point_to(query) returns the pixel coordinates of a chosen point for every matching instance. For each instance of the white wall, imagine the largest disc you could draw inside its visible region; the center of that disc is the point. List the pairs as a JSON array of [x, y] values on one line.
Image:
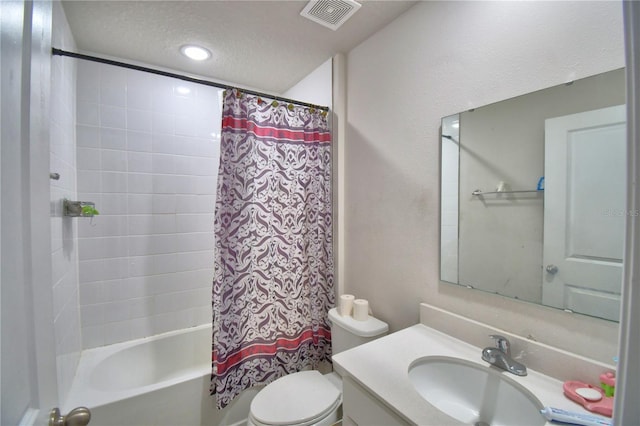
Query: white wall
[[64, 230], [29, 385], [16, 368], [148, 157], [315, 88], [437, 59]]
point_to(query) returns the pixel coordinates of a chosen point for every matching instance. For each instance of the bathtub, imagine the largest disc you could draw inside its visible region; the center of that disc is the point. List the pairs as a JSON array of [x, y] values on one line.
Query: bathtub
[[159, 380]]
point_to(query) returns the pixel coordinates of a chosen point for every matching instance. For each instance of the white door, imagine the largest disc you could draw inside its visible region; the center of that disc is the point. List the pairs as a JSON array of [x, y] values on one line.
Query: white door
[[584, 211]]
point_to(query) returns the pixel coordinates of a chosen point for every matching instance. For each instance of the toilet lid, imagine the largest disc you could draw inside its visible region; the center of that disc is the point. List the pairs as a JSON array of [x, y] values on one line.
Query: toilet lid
[[294, 399]]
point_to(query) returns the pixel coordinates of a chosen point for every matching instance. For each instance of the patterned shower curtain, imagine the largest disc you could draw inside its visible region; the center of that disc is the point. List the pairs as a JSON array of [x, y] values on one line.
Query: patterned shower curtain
[[273, 279]]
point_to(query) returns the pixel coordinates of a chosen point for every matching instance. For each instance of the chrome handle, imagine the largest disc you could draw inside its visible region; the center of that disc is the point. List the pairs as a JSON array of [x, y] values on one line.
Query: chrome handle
[[502, 343], [79, 416], [552, 269]]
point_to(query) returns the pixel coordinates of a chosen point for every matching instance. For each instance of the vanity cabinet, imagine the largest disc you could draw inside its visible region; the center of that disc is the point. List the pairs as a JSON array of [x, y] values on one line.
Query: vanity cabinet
[[363, 409]]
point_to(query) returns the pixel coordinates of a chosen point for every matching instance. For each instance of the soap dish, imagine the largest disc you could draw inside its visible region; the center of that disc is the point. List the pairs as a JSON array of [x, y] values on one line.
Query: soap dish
[[603, 405]]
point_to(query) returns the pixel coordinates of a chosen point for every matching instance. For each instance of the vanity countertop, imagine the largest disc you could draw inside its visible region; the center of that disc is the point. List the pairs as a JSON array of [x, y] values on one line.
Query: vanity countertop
[[382, 366]]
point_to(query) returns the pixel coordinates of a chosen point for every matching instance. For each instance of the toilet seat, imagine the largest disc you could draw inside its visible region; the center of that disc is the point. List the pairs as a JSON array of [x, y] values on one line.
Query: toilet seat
[[303, 398]]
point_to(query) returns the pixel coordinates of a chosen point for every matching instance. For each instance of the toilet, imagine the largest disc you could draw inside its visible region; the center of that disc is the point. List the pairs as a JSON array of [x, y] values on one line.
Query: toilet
[[308, 398]]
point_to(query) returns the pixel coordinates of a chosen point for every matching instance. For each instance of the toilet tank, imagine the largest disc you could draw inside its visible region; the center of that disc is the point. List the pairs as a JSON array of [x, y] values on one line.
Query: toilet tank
[[347, 333]]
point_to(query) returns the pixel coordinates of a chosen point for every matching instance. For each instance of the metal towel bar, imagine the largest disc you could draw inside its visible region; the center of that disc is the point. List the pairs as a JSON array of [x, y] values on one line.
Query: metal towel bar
[[479, 192]]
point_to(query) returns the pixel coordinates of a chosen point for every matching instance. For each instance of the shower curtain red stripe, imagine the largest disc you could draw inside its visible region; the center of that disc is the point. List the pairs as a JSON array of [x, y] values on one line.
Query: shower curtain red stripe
[[270, 348], [279, 134]]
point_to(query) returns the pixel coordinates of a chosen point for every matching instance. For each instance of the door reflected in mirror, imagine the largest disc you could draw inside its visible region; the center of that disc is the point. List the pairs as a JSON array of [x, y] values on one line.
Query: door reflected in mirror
[[533, 196]]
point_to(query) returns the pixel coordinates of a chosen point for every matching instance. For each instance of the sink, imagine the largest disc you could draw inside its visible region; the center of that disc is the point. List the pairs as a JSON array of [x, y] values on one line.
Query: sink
[[474, 394]]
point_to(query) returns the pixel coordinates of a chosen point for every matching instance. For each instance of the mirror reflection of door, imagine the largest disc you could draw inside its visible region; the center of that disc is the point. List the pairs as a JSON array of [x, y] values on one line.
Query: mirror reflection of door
[[585, 210]]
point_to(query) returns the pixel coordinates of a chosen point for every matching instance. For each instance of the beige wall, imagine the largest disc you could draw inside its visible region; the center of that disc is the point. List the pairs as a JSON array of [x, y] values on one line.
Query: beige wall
[[438, 59]]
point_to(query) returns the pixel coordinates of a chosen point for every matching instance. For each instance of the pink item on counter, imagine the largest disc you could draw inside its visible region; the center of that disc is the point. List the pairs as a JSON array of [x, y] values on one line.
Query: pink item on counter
[[604, 406]]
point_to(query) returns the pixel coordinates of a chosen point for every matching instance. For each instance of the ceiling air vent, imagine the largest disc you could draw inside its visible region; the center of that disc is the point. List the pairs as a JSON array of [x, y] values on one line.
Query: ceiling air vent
[[330, 13]]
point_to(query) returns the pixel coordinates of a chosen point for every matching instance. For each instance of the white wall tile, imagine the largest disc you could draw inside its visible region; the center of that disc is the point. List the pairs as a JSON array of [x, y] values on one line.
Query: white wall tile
[[163, 100], [152, 265], [88, 158], [92, 336], [159, 284], [162, 123], [164, 203], [88, 136], [113, 161], [138, 97], [141, 327], [113, 138], [140, 183], [184, 184], [190, 203], [165, 184], [139, 141], [152, 224], [184, 164], [164, 164], [88, 113], [113, 86], [139, 203], [112, 117], [116, 332], [185, 125], [192, 260], [91, 270], [113, 204], [127, 289], [186, 223], [102, 248], [139, 162], [197, 278], [116, 225], [141, 307], [139, 120], [145, 157], [116, 311], [144, 245], [92, 293], [91, 228], [93, 315], [88, 74], [89, 180], [196, 241], [113, 181]]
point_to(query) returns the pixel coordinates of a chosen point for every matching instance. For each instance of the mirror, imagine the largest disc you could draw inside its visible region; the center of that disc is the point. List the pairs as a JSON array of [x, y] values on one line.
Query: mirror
[[533, 196]]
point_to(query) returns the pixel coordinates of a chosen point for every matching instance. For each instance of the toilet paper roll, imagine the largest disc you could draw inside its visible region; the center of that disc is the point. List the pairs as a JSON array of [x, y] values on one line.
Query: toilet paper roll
[[346, 304], [360, 310]]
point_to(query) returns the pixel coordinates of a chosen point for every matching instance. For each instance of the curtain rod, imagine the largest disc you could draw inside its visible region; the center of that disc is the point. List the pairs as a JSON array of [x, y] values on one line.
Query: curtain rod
[[60, 52]]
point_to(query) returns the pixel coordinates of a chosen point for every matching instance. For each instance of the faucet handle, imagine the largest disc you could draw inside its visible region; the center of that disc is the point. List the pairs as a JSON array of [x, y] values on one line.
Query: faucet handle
[[502, 343]]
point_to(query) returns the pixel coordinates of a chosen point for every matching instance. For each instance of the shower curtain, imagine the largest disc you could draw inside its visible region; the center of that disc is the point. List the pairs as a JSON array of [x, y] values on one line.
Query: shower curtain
[[273, 276]]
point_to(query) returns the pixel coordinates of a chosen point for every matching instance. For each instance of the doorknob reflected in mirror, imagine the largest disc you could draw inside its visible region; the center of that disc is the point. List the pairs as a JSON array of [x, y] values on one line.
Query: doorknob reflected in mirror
[[79, 416], [552, 269]]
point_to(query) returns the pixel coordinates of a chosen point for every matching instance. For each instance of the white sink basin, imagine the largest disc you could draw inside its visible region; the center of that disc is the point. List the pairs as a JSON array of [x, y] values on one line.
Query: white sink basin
[[474, 394]]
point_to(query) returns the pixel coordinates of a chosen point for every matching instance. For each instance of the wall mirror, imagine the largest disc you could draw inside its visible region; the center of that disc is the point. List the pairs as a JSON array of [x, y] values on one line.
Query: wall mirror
[[533, 196]]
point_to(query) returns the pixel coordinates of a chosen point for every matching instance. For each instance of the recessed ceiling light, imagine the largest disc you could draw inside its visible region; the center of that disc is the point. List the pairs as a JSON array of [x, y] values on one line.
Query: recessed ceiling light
[[196, 53]]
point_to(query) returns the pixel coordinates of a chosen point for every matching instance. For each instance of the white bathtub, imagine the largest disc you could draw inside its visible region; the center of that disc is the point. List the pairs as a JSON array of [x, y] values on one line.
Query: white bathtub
[[160, 380]]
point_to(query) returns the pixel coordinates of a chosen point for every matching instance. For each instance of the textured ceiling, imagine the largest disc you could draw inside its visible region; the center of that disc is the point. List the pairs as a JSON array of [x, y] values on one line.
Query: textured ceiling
[[265, 45]]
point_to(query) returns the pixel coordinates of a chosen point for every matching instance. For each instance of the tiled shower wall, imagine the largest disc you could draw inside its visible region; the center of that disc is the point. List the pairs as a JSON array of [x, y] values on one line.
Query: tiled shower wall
[[147, 155]]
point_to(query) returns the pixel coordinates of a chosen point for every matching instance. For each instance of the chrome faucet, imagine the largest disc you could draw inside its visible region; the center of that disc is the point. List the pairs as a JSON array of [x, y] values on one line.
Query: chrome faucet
[[500, 356]]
